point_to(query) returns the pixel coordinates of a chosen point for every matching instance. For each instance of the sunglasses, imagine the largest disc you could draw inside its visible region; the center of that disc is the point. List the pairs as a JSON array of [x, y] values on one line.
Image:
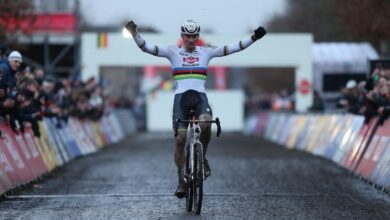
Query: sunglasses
[[191, 35]]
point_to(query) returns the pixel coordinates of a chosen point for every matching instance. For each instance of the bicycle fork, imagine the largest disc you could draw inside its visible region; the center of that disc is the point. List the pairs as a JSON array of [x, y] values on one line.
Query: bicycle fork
[[194, 140], [196, 132]]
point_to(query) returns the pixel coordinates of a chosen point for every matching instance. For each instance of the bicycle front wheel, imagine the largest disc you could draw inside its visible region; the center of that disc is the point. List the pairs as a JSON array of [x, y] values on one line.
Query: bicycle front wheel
[[187, 174], [198, 180]]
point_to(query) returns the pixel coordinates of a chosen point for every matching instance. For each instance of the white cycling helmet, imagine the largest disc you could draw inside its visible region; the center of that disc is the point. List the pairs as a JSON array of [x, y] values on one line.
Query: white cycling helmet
[[190, 27]]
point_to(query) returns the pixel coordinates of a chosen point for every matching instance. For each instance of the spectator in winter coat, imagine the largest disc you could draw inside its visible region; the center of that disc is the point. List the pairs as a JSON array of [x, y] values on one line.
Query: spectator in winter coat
[[11, 67]]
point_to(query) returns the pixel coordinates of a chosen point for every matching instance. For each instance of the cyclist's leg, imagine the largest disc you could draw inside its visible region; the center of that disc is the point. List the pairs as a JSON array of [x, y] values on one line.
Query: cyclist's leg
[[206, 114], [205, 136], [180, 141], [180, 145]]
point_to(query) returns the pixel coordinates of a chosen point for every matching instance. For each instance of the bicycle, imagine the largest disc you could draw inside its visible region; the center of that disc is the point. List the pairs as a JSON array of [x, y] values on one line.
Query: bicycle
[[194, 165]]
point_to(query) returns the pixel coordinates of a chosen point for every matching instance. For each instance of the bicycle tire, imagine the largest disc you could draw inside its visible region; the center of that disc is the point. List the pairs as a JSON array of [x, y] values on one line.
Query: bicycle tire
[[198, 179], [189, 191]]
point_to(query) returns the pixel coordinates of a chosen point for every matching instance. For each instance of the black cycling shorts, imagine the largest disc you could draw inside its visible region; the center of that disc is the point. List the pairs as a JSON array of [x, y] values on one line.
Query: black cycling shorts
[[190, 99]]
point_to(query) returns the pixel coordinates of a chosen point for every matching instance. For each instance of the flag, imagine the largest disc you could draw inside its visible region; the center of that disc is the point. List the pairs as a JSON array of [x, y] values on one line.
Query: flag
[[102, 40]]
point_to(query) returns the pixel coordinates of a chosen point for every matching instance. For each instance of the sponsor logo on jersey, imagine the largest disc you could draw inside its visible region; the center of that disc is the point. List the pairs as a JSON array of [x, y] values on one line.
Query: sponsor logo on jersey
[[184, 53], [190, 59]]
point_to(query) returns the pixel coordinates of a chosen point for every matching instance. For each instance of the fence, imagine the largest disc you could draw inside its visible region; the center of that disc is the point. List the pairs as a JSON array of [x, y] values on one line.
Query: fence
[[24, 157], [362, 148]]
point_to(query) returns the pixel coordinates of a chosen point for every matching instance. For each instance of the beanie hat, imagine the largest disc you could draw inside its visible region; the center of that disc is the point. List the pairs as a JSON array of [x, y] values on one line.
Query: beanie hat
[[351, 84], [15, 55]]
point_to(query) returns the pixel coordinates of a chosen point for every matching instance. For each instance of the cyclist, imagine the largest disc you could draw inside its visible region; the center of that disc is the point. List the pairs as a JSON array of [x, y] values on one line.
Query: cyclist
[[189, 67]]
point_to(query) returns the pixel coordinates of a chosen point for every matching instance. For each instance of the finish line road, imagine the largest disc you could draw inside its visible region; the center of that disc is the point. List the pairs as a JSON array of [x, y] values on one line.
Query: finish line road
[[251, 179]]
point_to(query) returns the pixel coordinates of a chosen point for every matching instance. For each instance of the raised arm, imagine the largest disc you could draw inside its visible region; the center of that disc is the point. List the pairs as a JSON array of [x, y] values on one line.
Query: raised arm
[[239, 46], [143, 45]]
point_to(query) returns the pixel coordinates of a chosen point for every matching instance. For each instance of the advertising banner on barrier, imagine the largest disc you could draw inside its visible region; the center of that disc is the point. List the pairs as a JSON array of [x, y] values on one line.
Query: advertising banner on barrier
[[97, 135], [5, 183], [328, 122], [337, 134], [270, 125], [381, 172], [88, 131], [87, 140], [2, 188], [108, 133], [347, 143], [46, 132], [26, 154], [112, 133], [74, 131], [306, 136], [52, 126], [47, 154], [359, 144], [36, 157], [50, 144], [374, 151], [103, 133], [8, 176], [127, 120], [285, 129], [289, 127], [352, 137], [300, 123], [345, 139], [11, 151], [282, 118], [316, 131], [82, 140], [114, 122], [68, 141], [72, 141], [262, 122], [366, 165], [24, 157], [92, 132]]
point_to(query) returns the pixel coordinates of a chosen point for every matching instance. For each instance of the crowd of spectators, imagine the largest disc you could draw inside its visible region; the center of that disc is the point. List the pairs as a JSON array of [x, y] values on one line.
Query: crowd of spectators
[[27, 95], [282, 101], [369, 98]]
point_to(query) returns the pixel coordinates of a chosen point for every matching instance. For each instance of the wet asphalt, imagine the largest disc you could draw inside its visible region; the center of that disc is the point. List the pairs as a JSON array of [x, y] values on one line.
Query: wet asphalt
[[251, 179]]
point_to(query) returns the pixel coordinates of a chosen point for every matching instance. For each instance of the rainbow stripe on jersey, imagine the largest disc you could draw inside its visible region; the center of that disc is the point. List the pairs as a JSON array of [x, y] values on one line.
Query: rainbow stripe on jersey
[[189, 73]]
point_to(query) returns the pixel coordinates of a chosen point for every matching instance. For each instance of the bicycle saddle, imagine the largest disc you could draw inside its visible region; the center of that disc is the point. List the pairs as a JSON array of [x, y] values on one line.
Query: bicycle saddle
[[191, 102]]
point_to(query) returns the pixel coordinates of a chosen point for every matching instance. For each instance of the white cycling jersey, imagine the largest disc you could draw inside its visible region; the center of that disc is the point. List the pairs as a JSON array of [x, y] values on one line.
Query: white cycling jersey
[[190, 68]]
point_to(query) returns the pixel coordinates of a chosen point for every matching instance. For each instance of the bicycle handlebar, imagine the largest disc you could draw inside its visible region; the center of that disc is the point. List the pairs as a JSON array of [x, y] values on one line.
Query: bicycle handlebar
[[216, 121]]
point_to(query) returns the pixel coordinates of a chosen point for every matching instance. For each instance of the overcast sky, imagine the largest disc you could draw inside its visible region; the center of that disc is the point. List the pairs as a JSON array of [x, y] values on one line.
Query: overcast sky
[[221, 16]]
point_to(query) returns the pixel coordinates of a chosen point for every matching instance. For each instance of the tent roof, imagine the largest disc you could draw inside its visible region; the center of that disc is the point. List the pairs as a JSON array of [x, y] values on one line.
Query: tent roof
[[352, 56]]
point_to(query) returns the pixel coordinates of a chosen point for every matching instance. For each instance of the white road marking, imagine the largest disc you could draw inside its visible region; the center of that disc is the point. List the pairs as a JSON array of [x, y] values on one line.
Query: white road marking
[[169, 195]]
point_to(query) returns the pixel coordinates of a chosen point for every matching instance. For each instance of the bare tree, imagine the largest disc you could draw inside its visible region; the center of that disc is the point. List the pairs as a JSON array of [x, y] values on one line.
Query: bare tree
[[335, 20], [16, 16], [309, 16], [364, 19]]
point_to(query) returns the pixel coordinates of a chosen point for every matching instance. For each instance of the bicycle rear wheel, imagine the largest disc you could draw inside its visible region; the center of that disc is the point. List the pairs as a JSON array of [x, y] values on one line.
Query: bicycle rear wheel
[[198, 179], [187, 176]]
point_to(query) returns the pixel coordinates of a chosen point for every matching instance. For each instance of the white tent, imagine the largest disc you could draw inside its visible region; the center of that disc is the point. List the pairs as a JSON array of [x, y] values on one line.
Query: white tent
[[336, 58]]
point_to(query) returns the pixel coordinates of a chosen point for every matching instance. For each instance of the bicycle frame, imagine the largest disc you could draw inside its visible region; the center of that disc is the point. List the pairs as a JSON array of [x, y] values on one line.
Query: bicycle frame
[[194, 135], [195, 162]]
